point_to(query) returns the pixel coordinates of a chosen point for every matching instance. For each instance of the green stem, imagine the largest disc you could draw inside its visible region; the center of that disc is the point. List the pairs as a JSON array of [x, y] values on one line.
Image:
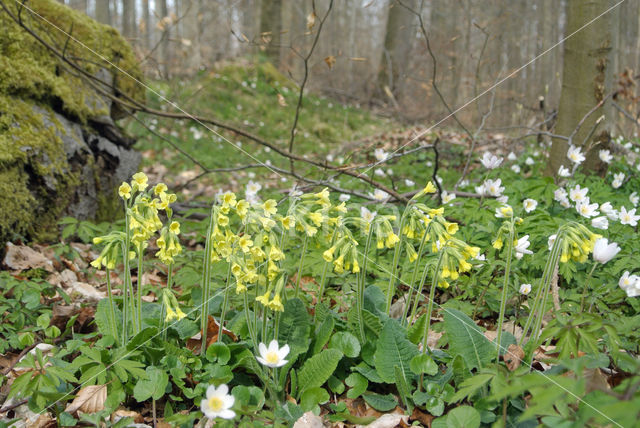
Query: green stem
[[250, 325], [586, 286], [140, 285], [225, 302], [206, 282], [432, 294], [413, 280], [299, 276], [396, 257], [127, 286], [423, 279], [361, 283], [112, 317], [505, 288]]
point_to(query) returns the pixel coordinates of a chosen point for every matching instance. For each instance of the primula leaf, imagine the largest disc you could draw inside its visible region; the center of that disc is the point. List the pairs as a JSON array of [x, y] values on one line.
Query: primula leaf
[[312, 397], [358, 384], [323, 334], [345, 342], [394, 349], [317, 369], [466, 339], [382, 403], [463, 417], [153, 386], [294, 327]]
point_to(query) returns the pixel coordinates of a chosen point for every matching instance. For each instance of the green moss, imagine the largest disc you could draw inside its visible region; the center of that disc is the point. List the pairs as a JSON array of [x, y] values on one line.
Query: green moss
[[29, 70], [36, 179]]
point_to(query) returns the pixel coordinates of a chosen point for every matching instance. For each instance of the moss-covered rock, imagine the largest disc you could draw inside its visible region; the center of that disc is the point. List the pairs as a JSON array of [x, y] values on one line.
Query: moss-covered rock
[[55, 155]]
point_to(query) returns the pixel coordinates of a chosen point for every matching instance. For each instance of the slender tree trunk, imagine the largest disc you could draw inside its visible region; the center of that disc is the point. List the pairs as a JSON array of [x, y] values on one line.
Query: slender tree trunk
[[271, 27], [165, 54], [146, 16], [129, 19], [192, 18], [103, 13], [80, 5], [584, 81], [397, 45]]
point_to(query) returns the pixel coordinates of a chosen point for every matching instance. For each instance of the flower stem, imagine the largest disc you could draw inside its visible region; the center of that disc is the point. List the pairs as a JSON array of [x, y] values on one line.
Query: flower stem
[[206, 282], [586, 286], [505, 288], [361, 283], [432, 293], [225, 302], [413, 281], [396, 257], [300, 265], [139, 286], [112, 315]]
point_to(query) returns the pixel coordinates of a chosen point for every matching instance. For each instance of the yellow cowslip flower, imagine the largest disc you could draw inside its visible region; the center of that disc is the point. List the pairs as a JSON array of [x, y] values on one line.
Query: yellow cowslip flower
[[159, 188], [97, 263], [179, 313], [323, 197], [223, 220], [465, 266], [317, 218], [242, 208], [257, 254], [124, 191], [288, 222], [276, 254], [338, 264], [392, 240], [429, 188], [264, 299], [356, 266], [229, 199], [170, 314], [412, 253], [240, 287], [452, 228], [380, 244], [174, 227], [310, 230], [445, 273], [267, 223], [276, 304], [454, 274], [497, 244], [328, 254], [436, 211], [342, 207], [269, 207], [236, 269], [139, 181], [443, 284], [245, 243]]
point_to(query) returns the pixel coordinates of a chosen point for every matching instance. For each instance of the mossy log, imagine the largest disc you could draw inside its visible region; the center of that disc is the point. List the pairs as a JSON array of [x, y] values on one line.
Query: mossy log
[[61, 152]]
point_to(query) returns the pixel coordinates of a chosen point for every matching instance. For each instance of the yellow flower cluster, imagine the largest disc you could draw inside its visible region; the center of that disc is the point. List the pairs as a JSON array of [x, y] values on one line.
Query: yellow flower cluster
[[345, 247], [172, 307], [109, 255], [455, 260], [577, 243]]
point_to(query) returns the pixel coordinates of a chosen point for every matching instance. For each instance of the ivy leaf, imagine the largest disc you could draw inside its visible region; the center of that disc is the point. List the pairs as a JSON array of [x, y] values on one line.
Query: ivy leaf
[[467, 339], [152, 387], [317, 369], [394, 349]]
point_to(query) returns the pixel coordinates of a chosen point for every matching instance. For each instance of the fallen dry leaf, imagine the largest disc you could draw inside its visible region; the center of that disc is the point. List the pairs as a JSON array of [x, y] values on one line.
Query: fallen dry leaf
[[422, 417], [21, 257], [330, 60], [87, 291], [309, 420], [389, 420], [90, 399], [513, 357], [311, 20], [122, 413], [282, 101]]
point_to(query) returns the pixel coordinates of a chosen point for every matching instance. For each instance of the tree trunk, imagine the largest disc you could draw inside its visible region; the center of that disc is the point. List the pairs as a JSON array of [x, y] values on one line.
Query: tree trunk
[[80, 5], [397, 46], [146, 16], [164, 43], [103, 14], [129, 19], [192, 19], [271, 27], [584, 81]]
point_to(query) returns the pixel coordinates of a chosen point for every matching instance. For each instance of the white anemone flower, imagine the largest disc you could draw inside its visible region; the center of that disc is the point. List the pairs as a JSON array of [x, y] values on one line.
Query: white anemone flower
[[634, 198], [344, 197], [447, 197], [409, 183], [525, 289], [379, 195], [218, 403], [560, 194], [490, 161], [563, 171], [273, 356], [529, 204], [379, 172], [629, 217], [512, 156], [521, 247], [630, 284], [367, 215], [618, 179], [380, 155], [586, 209], [601, 222], [493, 188], [603, 251], [529, 161], [516, 168], [605, 156], [253, 187], [610, 212], [551, 241], [575, 155], [578, 194]]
